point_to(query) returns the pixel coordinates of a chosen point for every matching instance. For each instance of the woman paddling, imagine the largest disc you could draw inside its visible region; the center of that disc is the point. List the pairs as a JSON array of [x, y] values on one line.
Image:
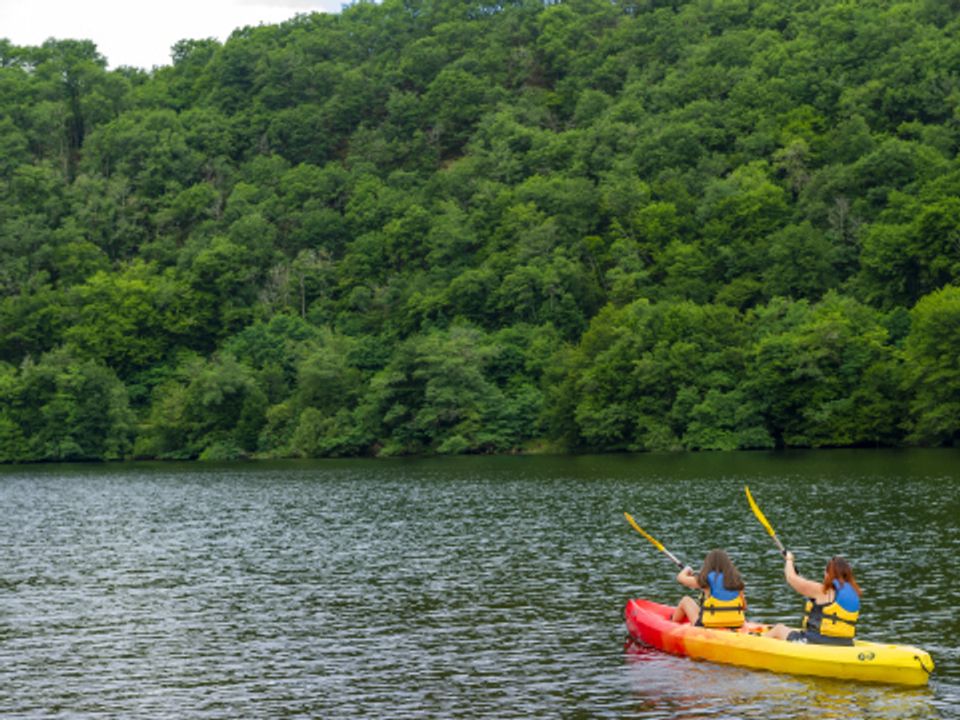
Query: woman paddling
[[724, 602], [833, 607]]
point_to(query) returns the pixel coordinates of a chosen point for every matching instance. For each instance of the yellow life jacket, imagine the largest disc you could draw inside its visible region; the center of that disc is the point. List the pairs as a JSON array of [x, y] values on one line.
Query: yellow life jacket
[[716, 613], [838, 618], [722, 613]]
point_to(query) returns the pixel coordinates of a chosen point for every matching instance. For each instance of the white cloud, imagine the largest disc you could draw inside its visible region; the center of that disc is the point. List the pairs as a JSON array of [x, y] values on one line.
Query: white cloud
[[298, 5], [139, 33]]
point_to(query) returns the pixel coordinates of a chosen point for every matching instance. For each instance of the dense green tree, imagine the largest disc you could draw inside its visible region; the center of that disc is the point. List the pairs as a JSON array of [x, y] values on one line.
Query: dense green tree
[[129, 319], [212, 409], [63, 407], [148, 148], [932, 373], [641, 370], [445, 226], [435, 395], [825, 375], [802, 263], [32, 320], [915, 253]]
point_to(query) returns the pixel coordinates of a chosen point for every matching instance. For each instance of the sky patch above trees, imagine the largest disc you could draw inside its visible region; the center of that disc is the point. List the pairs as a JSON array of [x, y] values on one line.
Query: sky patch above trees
[[141, 34]]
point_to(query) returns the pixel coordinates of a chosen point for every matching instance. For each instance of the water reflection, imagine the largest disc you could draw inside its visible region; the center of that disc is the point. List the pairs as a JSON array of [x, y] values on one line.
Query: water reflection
[[679, 688]]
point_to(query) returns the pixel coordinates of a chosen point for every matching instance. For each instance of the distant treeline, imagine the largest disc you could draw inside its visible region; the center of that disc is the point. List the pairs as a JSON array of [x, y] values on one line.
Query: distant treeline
[[438, 226]]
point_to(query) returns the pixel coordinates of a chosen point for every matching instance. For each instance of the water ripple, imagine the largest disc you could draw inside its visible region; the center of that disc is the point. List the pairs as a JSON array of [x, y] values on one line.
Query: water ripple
[[462, 588]]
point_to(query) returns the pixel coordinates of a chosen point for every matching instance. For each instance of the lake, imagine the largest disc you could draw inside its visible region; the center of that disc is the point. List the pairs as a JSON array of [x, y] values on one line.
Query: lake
[[467, 587]]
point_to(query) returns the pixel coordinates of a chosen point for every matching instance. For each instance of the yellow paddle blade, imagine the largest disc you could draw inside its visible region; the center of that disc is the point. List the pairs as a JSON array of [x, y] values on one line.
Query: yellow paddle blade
[[656, 543], [758, 512]]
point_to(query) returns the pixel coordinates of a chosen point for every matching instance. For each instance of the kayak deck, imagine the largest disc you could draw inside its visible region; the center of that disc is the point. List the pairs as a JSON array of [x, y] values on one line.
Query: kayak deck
[[651, 623]]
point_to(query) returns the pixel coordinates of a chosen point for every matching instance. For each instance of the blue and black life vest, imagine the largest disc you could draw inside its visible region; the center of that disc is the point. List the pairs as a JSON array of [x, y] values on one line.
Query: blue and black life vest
[[722, 608], [837, 618]]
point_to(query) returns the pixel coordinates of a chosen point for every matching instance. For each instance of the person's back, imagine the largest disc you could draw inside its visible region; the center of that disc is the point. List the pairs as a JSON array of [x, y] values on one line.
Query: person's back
[[724, 600], [832, 609]]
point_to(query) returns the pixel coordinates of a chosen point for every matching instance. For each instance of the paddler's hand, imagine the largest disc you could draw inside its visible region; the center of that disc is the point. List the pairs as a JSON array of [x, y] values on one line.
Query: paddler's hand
[[788, 558], [687, 570]]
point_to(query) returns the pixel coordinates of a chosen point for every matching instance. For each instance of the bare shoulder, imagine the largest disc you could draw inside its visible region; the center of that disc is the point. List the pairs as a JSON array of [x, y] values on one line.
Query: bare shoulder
[[824, 597]]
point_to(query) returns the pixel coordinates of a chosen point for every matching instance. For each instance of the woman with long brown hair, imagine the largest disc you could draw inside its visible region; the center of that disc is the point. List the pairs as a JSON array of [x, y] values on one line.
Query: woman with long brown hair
[[832, 609], [724, 603]]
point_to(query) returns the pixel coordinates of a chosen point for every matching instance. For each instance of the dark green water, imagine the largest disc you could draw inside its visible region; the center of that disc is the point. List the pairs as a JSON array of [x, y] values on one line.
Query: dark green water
[[459, 588]]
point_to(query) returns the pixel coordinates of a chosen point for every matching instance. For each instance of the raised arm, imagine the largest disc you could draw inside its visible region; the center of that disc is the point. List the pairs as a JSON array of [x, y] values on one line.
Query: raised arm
[[688, 579], [807, 588]]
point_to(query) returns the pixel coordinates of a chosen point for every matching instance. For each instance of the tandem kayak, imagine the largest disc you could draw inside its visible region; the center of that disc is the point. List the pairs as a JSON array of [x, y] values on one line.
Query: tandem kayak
[[651, 623]]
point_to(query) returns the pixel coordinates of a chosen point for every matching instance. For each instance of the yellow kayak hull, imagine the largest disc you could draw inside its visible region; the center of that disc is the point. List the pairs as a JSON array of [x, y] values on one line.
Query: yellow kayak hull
[[865, 661]]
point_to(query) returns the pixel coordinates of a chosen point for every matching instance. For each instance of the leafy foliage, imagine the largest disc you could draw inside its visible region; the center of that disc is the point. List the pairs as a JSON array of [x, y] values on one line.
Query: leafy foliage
[[433, 226]]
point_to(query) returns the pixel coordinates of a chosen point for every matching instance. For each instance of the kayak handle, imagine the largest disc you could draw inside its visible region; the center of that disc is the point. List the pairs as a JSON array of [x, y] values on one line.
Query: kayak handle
[[919, 660]]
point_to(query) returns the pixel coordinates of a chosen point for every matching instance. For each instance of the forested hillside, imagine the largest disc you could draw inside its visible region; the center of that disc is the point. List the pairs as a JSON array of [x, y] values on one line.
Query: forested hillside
[[446, 226]]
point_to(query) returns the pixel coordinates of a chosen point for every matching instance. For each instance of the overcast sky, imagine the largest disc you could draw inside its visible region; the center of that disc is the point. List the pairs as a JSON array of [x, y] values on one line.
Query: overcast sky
[[141, 32]]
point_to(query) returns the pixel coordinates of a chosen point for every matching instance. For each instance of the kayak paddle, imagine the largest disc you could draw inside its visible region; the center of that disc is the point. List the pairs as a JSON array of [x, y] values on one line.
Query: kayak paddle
[[766, 523], [656, 543]]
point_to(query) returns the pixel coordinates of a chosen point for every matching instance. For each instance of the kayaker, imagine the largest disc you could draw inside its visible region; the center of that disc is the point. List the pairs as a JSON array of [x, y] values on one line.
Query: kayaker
[[833, 606], [724, 602]]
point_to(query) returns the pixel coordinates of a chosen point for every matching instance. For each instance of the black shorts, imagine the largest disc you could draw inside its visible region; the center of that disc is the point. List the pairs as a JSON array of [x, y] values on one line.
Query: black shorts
[[802, 636]]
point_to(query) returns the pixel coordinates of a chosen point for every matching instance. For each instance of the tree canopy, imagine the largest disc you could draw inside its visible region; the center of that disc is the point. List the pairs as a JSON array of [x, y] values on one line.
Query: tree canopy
[[436, 226]]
